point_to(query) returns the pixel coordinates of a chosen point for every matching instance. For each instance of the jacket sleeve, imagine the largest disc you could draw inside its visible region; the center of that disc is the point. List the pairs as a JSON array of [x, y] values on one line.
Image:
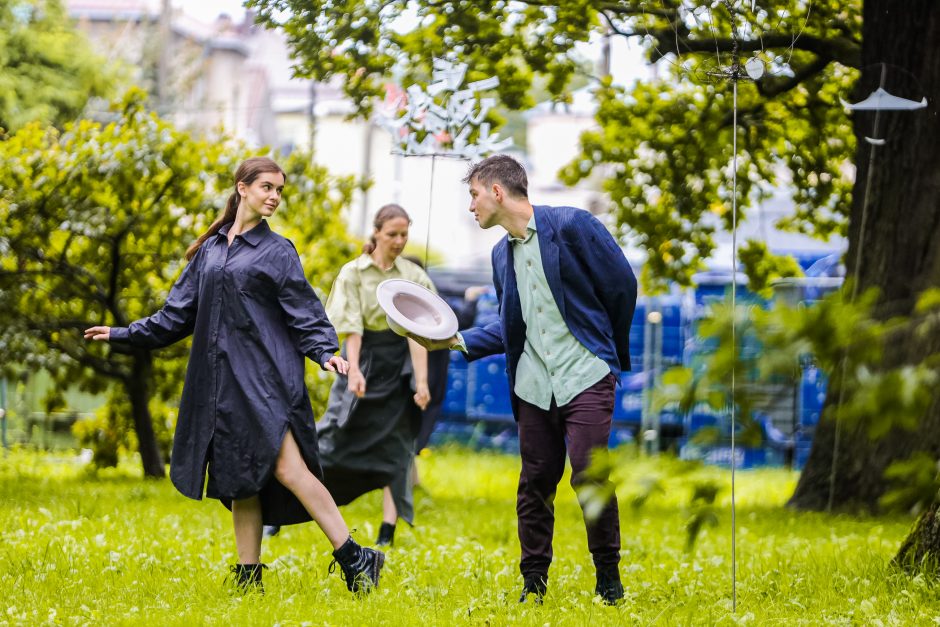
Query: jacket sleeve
[[613, 280], [304, 313], [175, 320], [487, 340]]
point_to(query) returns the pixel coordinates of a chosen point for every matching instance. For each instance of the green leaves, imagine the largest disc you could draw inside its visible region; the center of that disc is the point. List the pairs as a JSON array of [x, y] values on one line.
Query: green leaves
[[665, 145], [47, 70], [767, 347]]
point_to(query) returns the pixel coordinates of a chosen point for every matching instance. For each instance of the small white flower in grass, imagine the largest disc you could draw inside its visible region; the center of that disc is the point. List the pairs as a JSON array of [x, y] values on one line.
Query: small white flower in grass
[[743, 619]]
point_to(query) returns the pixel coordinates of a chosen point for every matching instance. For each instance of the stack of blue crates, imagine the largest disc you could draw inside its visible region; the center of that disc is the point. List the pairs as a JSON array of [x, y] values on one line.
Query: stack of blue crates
[[488, 390], [455, 400], [811, 399], [478, 398]]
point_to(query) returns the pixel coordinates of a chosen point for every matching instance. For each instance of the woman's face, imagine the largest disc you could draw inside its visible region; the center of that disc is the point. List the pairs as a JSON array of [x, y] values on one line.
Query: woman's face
[[263, 195], [390, 240]]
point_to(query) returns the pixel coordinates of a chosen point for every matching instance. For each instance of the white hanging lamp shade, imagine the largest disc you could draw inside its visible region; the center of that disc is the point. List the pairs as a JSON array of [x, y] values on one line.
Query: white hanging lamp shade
[[880, 100]]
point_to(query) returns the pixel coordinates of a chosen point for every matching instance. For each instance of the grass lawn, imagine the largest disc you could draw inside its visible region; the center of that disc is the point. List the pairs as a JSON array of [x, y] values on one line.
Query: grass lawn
[[113, 549]]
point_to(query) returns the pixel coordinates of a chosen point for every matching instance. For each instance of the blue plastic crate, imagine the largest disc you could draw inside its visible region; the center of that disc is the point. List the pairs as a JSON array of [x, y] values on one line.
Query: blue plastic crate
[[455, 398], [488, 389]]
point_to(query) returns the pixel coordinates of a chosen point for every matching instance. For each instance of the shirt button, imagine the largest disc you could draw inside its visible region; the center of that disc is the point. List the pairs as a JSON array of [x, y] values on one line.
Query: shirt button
[[528, 263], [542, 331]]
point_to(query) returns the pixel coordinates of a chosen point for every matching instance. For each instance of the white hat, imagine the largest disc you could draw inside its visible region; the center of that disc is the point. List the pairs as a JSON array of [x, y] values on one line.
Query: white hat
[[412, 308]]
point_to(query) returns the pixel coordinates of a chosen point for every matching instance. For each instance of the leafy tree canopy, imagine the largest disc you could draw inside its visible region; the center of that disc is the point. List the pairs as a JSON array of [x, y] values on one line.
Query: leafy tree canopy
[[47, 69], [665, 144]]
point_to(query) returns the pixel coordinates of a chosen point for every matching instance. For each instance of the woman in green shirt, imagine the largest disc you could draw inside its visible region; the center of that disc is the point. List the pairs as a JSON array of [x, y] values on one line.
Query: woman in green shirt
[[367, 433]]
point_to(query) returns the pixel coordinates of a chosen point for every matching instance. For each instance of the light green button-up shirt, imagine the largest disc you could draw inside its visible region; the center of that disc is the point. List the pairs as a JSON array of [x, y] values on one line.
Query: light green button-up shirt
[[551, 354], [352, 305]]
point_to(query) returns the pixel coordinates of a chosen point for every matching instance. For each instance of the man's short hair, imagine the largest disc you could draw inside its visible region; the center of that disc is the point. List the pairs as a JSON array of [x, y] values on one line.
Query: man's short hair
[[501, 169]]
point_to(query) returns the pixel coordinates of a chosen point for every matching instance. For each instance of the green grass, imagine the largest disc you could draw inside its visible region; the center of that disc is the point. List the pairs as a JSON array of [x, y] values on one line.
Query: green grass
[[113, 549]]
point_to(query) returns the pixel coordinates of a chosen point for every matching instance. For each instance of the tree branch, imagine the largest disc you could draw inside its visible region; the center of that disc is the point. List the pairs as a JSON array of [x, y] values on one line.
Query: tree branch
[[839, 49]]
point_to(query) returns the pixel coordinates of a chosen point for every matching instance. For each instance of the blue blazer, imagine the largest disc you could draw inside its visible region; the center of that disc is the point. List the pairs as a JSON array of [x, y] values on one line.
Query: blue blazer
[[590, 279]]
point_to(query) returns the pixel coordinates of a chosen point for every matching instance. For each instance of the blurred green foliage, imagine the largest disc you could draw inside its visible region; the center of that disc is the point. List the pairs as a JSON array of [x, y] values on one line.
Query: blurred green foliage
[[47, 68], [754, 346]]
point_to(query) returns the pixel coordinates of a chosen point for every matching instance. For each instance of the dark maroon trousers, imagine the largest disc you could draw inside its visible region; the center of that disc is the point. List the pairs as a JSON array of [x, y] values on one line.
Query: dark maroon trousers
[[584, 424]]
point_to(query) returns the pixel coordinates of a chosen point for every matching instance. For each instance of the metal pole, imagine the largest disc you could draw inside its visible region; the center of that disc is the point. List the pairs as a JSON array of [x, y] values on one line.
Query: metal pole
[[3, 413], [163, 58]]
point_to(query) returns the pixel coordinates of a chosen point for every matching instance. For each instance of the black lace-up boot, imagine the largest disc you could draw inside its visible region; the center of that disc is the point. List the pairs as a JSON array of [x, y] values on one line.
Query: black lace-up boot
[[360, 566], [247, 577], [535, 585], [386, 535], [608, 586]]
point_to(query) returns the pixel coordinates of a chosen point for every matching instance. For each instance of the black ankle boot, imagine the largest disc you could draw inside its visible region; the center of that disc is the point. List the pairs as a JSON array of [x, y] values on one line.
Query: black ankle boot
[[535, 585], [608, 586], [360, 566], [248, 577], [386, 535]]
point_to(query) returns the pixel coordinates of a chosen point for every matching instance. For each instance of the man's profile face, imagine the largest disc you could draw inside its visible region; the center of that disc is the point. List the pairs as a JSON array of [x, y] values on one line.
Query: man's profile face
[[483, 203]]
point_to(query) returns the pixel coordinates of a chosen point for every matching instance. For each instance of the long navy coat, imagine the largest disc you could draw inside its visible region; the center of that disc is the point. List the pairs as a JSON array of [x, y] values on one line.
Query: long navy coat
[[590, 279], [253, 317]]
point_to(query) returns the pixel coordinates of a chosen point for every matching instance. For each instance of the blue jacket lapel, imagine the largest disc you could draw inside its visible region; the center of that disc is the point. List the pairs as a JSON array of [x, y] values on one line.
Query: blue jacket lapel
[[550, 256]]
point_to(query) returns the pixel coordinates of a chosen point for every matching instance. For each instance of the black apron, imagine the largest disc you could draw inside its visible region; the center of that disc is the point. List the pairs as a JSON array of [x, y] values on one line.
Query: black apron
[[368, 443]]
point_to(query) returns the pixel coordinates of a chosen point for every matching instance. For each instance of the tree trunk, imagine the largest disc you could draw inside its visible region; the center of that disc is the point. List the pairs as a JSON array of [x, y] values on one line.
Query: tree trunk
[[921, 549], [138, 391], [893, 241]]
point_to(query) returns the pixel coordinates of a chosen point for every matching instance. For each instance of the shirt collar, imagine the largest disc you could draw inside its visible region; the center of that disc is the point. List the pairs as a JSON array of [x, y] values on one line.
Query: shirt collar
[[529, 232], [252, 236], [365, 260]]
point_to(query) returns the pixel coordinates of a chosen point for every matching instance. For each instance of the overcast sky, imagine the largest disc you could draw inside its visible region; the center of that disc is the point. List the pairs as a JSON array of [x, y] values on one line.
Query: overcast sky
[[208, 10]]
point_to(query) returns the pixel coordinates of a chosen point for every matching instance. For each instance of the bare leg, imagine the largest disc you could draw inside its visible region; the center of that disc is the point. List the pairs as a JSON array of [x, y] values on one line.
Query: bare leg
[[293, 473], [389, 512], [246, 517]]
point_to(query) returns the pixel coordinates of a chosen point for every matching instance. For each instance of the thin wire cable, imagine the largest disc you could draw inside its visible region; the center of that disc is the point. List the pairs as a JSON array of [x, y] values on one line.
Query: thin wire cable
[[427, 240], [734, 75], [853, 295], [734, 296]]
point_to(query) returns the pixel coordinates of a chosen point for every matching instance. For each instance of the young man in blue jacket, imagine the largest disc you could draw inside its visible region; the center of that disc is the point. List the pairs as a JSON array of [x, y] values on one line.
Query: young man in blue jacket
[[567, 296]]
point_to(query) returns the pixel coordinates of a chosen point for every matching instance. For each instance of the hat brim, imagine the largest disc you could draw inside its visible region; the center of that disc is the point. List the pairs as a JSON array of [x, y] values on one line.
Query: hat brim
[[412, 308]]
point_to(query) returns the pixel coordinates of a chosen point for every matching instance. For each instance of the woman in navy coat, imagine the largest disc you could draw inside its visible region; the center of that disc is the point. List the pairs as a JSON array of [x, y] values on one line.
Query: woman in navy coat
[[245, 415]]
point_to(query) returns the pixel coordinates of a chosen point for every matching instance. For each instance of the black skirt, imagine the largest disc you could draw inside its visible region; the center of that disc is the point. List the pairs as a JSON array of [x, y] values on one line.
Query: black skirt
[[368, 443]]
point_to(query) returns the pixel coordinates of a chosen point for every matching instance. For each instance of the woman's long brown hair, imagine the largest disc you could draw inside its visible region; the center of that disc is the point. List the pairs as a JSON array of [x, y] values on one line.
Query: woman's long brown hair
[[246, 173]]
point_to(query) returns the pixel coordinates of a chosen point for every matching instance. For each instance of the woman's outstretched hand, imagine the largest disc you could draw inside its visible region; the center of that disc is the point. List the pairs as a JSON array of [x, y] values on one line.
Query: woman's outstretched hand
[[101, 334], [335, 364]]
